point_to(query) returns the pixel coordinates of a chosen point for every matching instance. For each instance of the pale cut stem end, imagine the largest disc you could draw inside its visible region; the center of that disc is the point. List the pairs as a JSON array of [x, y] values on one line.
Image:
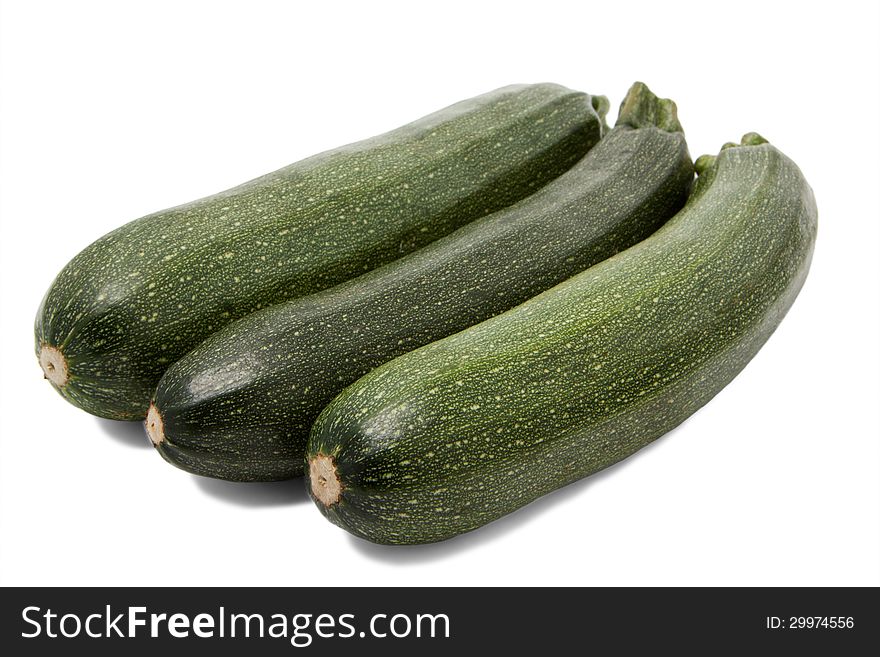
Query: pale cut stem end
[[54, 365], [326, 486], [155, 426]]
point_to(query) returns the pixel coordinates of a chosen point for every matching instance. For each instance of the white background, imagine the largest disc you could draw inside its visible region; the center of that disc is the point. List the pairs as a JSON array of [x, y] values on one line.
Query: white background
[[113, 110]]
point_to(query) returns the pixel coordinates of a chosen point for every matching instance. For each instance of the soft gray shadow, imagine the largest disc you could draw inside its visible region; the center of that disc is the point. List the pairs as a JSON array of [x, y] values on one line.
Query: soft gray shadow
[[404, 555], [254, 493], [130, 434]]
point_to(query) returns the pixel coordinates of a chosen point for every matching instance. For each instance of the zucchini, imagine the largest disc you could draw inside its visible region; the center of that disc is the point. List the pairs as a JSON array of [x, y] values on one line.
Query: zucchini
[[460, 432], [142, 296], [240, 405]]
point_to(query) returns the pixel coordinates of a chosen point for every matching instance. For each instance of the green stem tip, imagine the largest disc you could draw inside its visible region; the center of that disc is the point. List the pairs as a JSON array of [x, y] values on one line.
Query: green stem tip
[[601, 104], [752, 139], [642, 109], [705, 162]]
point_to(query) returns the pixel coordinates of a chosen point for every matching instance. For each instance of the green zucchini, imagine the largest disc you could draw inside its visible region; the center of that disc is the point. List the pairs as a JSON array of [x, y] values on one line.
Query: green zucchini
[[142, 296], [240, 405], [460, 432]]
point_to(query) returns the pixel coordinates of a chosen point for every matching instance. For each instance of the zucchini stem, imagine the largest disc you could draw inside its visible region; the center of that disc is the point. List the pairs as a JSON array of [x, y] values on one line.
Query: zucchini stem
[[326, 486], [642, 109], [54, 365], [601, 104], [155, 426]]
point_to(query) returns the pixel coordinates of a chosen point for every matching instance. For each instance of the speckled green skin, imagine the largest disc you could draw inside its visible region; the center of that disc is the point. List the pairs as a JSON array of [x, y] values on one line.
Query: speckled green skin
[[142, 296], [241, 404], [451, 436]]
